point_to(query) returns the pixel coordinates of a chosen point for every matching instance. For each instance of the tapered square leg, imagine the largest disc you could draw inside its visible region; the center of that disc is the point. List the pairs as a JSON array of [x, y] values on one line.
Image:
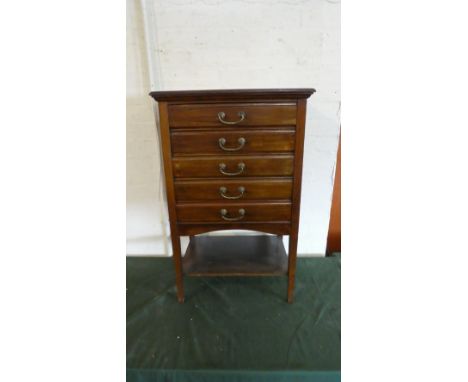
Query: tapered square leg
[[292, 254], [177, 256]]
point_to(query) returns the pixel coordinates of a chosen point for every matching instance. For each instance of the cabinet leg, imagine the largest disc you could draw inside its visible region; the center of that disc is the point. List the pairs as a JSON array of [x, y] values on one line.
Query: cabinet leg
[[177, 256], [292, 254]]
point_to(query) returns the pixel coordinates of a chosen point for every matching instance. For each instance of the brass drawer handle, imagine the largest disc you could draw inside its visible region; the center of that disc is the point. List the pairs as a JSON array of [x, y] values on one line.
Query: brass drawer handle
[[240, 166], [224, 213], [222, 142], [222, 115], [223, 190]]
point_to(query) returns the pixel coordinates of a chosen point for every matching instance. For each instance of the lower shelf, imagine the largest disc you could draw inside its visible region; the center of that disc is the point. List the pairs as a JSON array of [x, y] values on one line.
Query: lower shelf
[[235, 256]]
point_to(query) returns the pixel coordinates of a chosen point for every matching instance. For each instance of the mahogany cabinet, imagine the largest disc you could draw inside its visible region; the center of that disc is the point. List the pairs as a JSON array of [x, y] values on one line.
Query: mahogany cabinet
[[233, 160]]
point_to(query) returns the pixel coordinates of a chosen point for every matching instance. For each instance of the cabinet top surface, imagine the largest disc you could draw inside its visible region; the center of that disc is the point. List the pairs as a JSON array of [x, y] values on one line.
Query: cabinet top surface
[[231, 94]]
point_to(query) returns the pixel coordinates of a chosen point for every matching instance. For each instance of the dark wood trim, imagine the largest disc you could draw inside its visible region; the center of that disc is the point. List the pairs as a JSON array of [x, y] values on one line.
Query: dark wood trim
[[275, 228], [231, 94], [334, 228], [296, 198]]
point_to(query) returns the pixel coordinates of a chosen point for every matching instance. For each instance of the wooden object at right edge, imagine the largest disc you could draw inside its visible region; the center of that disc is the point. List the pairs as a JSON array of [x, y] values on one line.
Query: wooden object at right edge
[[334, 228]]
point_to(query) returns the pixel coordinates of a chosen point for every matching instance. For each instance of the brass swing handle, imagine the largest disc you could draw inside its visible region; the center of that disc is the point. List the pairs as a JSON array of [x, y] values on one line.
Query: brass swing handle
[[222, 115], [224, 213], [223, 190], [222, 142], [240, 166]]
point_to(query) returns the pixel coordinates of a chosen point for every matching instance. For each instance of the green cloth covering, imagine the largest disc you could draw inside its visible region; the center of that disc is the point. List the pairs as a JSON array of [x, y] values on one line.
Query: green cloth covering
[[233, 328]]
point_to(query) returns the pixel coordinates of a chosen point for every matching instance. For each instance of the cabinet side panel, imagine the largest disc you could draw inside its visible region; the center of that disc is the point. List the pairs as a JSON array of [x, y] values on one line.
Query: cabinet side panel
[[167, 159], [299, 151], [175, 239], [296, 196]]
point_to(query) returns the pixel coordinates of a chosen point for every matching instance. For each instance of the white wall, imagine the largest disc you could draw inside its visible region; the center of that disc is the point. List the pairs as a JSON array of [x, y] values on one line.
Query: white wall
[[213, 44]]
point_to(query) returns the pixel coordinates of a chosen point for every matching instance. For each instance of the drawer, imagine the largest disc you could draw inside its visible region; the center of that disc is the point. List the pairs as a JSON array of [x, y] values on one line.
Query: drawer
[[232, 141], [228, 189], [229, 212], [232, 115], [232, 166]]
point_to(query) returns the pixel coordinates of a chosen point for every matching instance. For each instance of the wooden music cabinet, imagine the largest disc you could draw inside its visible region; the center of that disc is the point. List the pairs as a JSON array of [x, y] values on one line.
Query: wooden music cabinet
[[233, 161]]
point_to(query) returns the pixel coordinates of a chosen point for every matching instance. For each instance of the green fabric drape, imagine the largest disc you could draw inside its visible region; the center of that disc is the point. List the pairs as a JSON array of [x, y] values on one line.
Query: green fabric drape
[[233, 329]]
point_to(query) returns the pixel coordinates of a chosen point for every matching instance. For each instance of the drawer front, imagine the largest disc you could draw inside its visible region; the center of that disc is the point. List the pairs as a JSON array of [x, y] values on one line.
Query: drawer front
[[232, 115], [229, 212], [233, 189], [232, 141], [232, 166]]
